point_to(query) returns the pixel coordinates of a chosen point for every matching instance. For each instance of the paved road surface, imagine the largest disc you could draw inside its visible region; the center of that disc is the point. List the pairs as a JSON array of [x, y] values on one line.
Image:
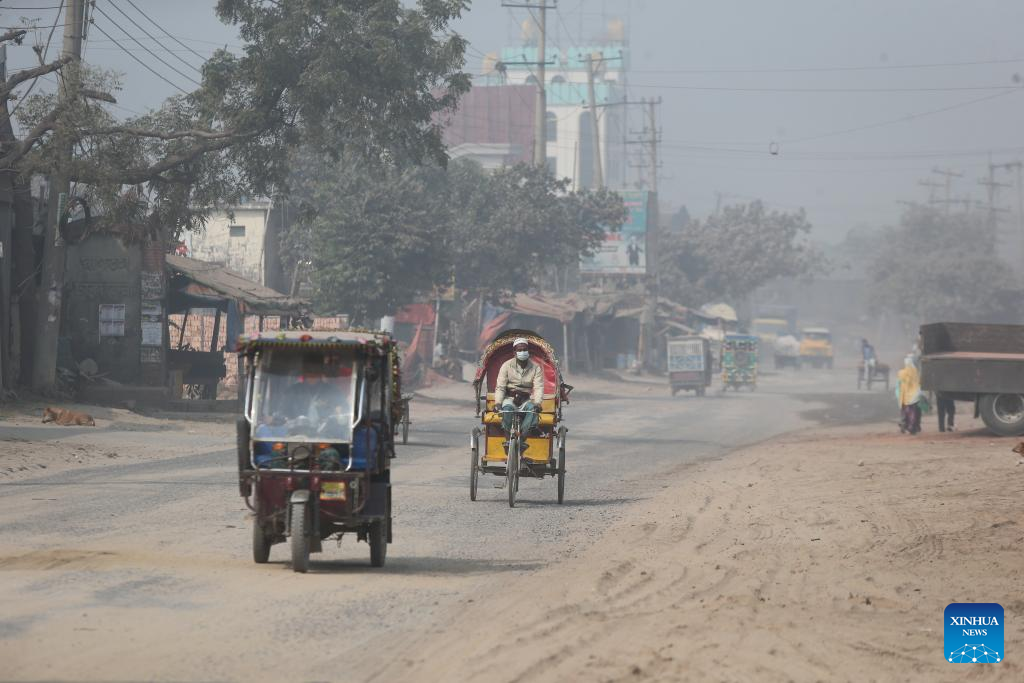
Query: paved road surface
[[143, 571]]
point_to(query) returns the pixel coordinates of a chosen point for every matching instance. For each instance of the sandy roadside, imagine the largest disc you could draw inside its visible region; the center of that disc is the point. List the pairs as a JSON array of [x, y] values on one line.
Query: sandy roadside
[[827, 555], [29, 448]]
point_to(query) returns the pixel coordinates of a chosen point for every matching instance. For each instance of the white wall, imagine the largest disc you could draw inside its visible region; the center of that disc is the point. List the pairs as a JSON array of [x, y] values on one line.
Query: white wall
[[242, 253]]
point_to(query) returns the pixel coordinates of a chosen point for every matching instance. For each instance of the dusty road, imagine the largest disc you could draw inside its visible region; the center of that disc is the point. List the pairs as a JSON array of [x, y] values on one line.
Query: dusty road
[[142, 570]]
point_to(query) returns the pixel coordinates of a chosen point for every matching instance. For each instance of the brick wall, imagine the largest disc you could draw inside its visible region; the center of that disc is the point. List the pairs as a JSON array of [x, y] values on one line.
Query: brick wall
[[199, 335]]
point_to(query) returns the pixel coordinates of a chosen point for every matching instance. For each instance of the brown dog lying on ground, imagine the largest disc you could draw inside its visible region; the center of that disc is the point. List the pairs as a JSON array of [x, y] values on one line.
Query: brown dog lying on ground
[[65, 417], [1019, 448]]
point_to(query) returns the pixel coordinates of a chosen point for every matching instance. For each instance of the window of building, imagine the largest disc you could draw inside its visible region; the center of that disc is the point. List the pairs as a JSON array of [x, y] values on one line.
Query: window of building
[[236, 230], [551, 126], [553, 166]]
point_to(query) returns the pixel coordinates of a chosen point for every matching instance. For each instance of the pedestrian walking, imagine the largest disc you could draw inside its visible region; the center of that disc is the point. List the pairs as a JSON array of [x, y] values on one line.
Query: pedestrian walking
[[908, 392], [946, 408]]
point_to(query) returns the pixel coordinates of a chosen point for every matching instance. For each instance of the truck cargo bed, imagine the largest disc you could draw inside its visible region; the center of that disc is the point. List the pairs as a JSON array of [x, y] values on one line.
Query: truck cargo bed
[[968, 358]]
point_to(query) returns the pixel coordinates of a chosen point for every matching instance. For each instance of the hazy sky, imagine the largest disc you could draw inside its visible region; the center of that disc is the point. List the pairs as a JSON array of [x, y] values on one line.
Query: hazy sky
[[735, 77]]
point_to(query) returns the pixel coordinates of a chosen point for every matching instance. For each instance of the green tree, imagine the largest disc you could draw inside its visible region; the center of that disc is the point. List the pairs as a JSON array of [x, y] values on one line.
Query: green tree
[[517, 223], [943, 267], [344, 75], [361, 77], [376, 236], [729, 255]]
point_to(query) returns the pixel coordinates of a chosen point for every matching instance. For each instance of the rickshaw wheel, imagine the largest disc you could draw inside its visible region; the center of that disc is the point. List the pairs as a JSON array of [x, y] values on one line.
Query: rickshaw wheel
[[561, 474], [378, 544], [512, 471], [474, 472], [260, 544], [300, 538], [405, 424]]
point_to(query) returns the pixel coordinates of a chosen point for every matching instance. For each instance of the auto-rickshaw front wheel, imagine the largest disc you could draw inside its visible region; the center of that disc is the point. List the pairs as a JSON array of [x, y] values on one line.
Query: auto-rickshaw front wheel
[[300, 537], [378, 540], [260, 543]]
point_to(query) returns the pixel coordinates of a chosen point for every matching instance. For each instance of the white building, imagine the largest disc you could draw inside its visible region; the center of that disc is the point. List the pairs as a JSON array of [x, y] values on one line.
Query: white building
[[237, 237], [569, 132]]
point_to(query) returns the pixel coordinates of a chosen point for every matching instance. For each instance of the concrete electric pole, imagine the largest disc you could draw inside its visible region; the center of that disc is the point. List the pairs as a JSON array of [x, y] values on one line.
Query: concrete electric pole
[[540, 142], [48, 308], [595, 128]]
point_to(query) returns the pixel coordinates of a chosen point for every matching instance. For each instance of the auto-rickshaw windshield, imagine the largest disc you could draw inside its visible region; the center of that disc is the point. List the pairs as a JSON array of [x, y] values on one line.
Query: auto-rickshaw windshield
[[304, 397]]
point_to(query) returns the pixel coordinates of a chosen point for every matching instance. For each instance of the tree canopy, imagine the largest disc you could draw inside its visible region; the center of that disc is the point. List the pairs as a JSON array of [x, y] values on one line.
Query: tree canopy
[[938, 266], [345, 75], [375, 237], [730, 254]]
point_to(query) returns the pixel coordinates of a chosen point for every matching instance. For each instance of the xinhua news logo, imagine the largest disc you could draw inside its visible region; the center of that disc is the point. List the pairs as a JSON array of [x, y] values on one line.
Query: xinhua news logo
[[974, 633]]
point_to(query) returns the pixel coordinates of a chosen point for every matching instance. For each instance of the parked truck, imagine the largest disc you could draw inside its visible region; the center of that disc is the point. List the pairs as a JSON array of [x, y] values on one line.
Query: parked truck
[[983, 364]]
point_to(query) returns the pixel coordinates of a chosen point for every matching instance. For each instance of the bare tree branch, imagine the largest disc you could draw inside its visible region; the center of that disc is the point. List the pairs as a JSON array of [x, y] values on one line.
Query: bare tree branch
[[144, 174], [19, 149], [171, 135], [15, 34], [97, 95], [28, 74]]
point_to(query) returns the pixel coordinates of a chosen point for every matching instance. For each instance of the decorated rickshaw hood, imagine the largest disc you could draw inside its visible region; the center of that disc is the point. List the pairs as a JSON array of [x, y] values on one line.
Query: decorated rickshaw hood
[[538, 346], [368, 343]]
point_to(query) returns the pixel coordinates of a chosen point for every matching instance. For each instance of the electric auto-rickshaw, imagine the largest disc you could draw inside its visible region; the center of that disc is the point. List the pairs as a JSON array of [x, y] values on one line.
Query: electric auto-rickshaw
[[316, 439], [739, 361], [514, 455]]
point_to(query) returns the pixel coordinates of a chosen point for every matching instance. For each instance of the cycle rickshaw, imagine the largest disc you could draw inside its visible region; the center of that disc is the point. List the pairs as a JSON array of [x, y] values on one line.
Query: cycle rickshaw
[[316, 439], [491, 450]]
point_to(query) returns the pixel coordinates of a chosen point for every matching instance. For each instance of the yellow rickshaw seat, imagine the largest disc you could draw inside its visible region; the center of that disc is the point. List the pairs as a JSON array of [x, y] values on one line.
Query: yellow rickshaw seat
[[544, 419]]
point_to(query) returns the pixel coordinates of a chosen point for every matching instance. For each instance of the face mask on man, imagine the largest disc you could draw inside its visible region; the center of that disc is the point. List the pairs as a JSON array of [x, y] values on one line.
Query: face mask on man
[[522, 355]]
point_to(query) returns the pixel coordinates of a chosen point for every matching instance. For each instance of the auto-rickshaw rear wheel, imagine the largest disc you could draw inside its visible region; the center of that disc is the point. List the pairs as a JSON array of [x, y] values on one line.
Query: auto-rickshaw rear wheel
[[260, 544], [376, 536], [300, 537]]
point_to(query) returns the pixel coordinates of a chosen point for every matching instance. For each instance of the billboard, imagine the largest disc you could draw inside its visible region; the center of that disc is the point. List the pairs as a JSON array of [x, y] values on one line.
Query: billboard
[[624, 251]]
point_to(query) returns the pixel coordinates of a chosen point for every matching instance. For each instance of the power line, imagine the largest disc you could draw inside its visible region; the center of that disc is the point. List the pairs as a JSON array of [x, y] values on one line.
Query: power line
[[147, 66], [822, 69], [903, 119], [153, 38], [42, 59], [153, 54], [827, 89], [162, 29]]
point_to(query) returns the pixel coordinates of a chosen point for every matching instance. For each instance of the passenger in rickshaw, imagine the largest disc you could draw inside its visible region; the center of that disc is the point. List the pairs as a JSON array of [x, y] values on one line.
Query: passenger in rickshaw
[[321, 392], [520, 386]]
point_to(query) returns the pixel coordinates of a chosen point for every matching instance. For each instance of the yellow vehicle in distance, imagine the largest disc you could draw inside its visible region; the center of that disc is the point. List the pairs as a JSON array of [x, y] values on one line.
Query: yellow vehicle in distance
[[816, 347]]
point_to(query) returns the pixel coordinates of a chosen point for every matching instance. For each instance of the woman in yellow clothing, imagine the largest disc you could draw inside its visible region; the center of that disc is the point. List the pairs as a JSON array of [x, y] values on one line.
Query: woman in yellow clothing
[[908, 390]]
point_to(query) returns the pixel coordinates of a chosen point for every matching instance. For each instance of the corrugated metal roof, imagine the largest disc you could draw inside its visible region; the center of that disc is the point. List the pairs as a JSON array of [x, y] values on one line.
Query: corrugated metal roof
[[251, 296]]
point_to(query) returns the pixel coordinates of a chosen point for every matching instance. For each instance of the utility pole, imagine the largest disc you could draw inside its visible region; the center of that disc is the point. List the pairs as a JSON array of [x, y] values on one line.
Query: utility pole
[[648, 138], [992, 187], [949, 175], [594, 126], [932, 186], [540, 142], [992, 184], [653, 141], [48, 308]]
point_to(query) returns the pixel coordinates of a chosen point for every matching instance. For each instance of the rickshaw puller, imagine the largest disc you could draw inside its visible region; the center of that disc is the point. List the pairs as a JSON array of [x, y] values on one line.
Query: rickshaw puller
[[519, 378]]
